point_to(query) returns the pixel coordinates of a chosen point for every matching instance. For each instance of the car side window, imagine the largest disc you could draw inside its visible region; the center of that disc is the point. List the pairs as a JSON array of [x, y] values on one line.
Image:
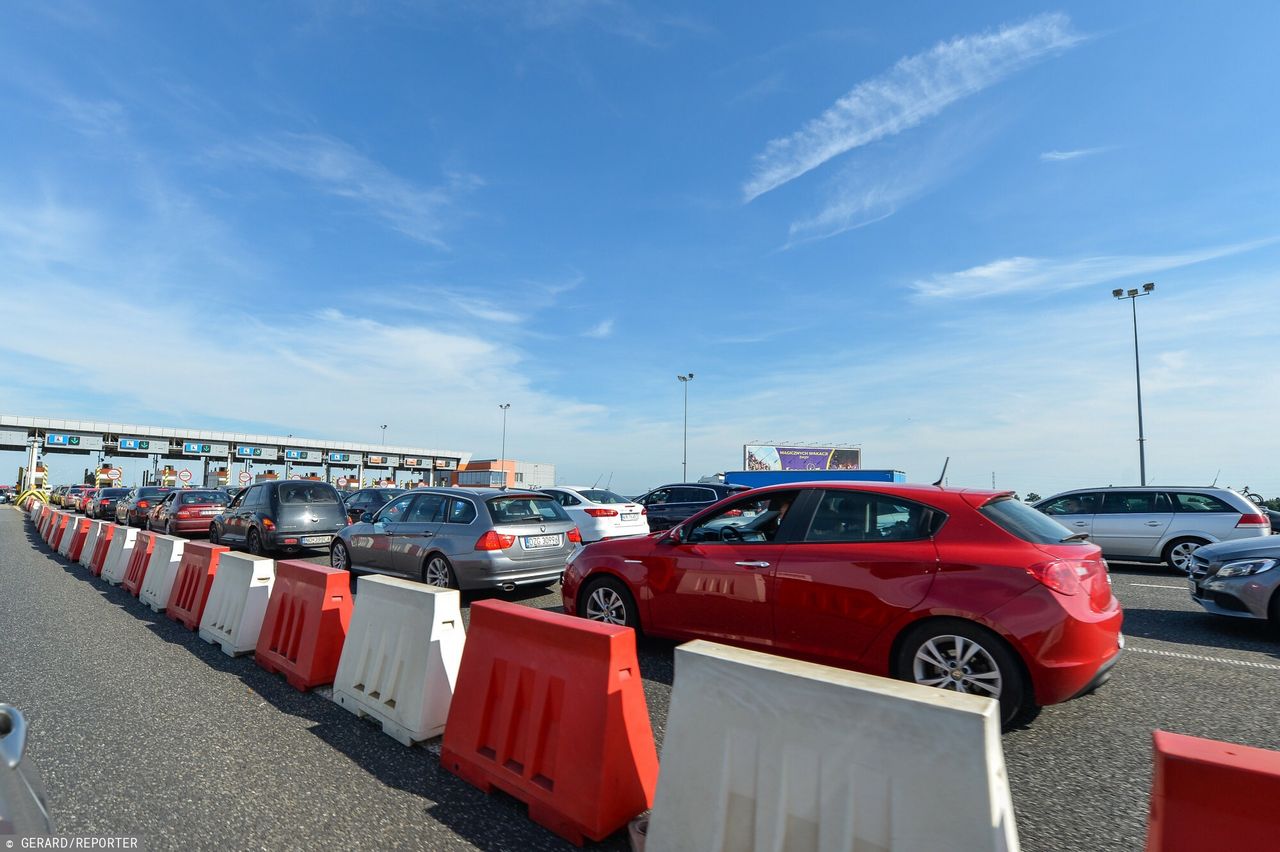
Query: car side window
[[692, 495], [426, 509], [1187, 502], [753, 521], [461, 511], [1134, 503], [395, 510], [567, 499], [657, 498], [850, 516], [1072, 504]]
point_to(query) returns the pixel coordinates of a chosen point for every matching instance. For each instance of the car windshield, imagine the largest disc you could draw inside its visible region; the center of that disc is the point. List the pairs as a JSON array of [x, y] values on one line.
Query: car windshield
[[204, 498], [599, 495], [308, 493], [1019, 519], [386, 495], [525, 509]]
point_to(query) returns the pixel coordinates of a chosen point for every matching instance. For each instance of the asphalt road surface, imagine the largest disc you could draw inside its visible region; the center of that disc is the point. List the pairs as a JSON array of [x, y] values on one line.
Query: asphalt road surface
[[141, 729]]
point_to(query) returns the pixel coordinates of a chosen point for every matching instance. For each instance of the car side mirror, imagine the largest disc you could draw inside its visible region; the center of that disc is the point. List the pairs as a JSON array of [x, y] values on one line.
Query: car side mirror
[[366, 517], [675, 536]]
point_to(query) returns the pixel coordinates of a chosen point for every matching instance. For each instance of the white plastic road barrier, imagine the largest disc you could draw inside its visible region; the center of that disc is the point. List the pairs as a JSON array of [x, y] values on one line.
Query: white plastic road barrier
[[399, 663], [118, 553], [162, 569], [90, 542], [766, 753], [33, 510], [64, 544], [238, 602]]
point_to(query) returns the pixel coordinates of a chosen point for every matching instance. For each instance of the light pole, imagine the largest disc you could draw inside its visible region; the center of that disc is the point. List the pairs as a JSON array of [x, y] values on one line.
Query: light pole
[[502, 459], [1132, 295], [384, 436], [684, 464]]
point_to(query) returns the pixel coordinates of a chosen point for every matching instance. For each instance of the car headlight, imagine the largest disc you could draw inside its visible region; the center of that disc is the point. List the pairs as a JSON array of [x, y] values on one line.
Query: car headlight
[[1245, 567]]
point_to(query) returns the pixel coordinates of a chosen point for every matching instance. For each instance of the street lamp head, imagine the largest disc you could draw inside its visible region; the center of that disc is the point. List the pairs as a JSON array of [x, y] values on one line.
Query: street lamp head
[[685, 378], [1132, 292], [1148, 287], [1119, 294], [504, 405]]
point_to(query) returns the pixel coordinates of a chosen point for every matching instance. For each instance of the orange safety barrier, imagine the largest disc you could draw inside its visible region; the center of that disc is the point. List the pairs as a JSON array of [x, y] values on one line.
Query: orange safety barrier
[[193, 581], [306, 623], [139, 557], [42, 525], [100, 549], [1208, 795], [59, 529], [550, 709], [78, 536]]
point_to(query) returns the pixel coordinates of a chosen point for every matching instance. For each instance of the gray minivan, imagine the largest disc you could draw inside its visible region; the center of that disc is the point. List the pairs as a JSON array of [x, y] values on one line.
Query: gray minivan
[[1156, 523], [462, 538], [282, 515]]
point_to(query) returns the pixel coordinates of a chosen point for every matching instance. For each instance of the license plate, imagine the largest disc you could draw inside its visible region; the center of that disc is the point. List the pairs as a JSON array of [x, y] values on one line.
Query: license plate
[[208, 512], [315, 539], [533, 542], [629, 516]]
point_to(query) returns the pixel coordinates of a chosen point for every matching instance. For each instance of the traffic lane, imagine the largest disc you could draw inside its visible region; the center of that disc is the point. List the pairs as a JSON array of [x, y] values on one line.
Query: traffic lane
[[142, 729]]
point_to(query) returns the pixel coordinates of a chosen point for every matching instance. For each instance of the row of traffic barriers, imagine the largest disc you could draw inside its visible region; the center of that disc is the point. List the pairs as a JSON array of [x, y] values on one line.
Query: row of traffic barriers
[[760, 752]]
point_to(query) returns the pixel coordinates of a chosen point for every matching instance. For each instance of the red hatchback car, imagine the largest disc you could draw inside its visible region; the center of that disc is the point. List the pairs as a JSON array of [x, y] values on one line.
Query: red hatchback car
[[967, 590], [187, 511]]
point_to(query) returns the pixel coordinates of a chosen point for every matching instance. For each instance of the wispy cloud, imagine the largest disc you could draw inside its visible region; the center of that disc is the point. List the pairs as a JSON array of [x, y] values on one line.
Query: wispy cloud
[[338, 169], [600, 330], [1016, 274], [916, 88], [1062, 156]]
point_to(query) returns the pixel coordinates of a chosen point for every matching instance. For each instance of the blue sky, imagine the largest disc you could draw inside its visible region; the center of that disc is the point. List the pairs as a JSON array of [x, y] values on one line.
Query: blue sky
[[886, 226]]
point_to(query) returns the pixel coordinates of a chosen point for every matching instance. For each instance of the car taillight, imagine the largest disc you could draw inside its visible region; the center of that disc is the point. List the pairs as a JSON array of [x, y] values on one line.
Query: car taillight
[[1061, 575], [493, 540], [142, 504], [602, 513], [644, 512], [268, 523], [184, 513], [575, 536], [1253, 521]]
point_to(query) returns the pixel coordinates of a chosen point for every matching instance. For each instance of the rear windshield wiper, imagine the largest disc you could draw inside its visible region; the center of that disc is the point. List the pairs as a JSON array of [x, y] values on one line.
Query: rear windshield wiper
[[1074, 537]]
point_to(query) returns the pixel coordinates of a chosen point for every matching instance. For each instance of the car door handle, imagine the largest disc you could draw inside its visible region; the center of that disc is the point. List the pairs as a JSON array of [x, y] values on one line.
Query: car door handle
[[753, 564], [1082, 523], [1153, 523]]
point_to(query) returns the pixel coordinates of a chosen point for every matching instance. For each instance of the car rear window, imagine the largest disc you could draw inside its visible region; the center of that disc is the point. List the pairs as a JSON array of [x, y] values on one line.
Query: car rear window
[[1019, 519], [308, 493], [113, 492], [205, 498], [599, 495], [1191, 502], [148, 493], [525, 509]]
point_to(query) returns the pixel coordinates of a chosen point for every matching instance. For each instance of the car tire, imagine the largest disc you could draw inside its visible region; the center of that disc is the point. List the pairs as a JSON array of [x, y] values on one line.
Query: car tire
[[925, 646], [253, 543], [1177, 553], [339, 556], [213, 533], [608, 601], [437, 571], [168, 527]]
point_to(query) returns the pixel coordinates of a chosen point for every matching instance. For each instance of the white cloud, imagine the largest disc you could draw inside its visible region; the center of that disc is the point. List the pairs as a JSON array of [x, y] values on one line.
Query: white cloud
[[600, 330], [1063, 156], [335, 167], [1017, 274], [916, 88]]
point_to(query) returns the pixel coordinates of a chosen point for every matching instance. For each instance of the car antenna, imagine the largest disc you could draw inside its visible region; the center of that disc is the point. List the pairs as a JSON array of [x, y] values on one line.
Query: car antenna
[[943, 475], [597, 482], [1215, 478], [608, 481]]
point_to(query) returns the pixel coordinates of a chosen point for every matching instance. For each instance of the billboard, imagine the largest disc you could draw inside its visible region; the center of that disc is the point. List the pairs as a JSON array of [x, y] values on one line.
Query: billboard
[[771, 457]]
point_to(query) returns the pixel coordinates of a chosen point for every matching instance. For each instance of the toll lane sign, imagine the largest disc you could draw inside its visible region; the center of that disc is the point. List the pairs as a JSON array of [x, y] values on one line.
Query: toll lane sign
[[203, 448], [136, 445], [72, 442]]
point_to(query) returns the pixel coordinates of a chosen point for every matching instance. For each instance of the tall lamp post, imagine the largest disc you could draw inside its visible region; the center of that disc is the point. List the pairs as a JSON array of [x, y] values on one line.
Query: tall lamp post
[[502, 459], [1132, 295], [684, 464], [384, 436]]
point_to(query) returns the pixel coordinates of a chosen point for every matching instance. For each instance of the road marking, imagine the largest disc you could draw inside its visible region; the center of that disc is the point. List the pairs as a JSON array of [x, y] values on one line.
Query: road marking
[[1154, 586], [1181, 656]]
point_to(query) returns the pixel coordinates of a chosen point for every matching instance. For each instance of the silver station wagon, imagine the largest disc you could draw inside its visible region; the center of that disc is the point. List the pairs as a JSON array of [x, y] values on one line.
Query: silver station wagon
[[462, 538], [1156, 523]]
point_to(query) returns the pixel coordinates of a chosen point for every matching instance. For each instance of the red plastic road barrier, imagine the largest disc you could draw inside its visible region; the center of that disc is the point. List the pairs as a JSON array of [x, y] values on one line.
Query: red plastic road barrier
[[550, 709], [193, 581], [78, 536], [47, 524], [139, 558], [59, 529], [1208, 795], [306, 623], [43, 522], [100, 549]]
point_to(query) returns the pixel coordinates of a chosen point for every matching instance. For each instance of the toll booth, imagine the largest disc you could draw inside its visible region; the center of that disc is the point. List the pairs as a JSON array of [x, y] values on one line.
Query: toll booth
[[168, 476], [40, 478], [104, 477], [266, 476], [217, 478]]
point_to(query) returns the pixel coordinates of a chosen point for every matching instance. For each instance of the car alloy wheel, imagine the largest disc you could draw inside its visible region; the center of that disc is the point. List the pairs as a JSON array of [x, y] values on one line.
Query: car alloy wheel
[[959, 664], [606, 605], [255, 543], [168, 527], [1179, 555], [338, 557], [438, 573]]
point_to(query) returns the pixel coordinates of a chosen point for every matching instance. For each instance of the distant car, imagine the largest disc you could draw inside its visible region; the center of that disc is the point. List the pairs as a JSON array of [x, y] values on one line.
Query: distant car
[[671, 504], [103, 504], [1156, 523], [972, 591], [369, 500], [232, 491], [133, 508], [462, 538], [187, 512], [282, 515], [78, 499], [24, 804], [599, 513], [7, 494], [1238, 578], [55, 496]]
